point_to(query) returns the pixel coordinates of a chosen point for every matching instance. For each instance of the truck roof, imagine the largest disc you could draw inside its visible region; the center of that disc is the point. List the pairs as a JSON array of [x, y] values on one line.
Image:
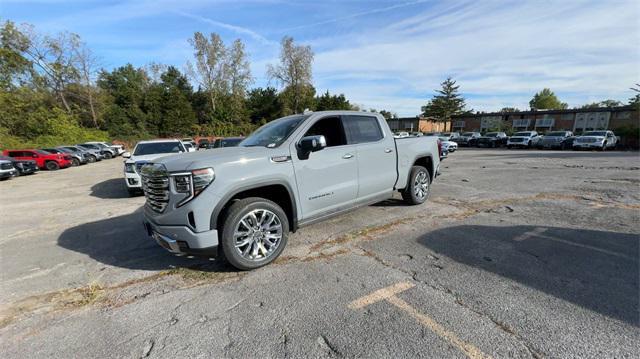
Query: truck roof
[[160, 141]]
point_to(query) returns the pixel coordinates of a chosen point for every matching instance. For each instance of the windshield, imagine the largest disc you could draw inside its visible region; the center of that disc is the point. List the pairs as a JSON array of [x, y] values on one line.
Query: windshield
[[467, 134], [595, 133], [273, 133], [555, 134], [66, 150], [87, 145], [525, 134], [157, 147]]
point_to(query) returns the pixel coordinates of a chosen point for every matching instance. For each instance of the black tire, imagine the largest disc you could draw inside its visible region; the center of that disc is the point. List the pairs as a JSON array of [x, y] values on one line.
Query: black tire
[[410, 194], [604, 147], [234, 215], [509, 147], [75, 162], [52, 165], [108, 155], [91, 159]]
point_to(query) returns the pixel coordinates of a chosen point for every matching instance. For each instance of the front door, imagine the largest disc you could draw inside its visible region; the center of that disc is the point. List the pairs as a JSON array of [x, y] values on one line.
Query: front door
[[328, 180]]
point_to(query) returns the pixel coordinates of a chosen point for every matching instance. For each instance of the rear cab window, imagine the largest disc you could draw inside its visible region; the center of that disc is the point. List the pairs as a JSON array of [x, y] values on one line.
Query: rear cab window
[[363, 129]]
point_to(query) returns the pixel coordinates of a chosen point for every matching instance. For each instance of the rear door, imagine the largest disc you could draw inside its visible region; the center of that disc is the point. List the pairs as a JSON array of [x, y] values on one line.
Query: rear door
[[328, 180], [376, 156]]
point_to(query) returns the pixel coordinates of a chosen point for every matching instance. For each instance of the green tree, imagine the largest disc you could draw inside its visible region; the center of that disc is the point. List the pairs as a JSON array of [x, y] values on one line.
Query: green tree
[[126, 87], [635, 100], [446, 103], [15, 68], [509, 109], [263, 105], [326, 102], [546, 100], [294, 74], [605, 103]]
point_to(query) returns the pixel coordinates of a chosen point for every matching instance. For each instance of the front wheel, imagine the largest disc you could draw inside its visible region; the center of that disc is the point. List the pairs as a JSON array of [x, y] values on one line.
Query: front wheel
[[418, 186], [91, 159], [52, 166], [108, 155], [75, 162], [254, 233]]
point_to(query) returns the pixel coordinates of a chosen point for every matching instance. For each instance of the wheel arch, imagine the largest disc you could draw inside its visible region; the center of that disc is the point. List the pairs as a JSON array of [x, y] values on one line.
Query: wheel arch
[[276, 191], [425, 161]]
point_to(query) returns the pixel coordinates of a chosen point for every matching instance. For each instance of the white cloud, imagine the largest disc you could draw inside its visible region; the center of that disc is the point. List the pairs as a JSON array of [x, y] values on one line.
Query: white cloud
[[497, 51]]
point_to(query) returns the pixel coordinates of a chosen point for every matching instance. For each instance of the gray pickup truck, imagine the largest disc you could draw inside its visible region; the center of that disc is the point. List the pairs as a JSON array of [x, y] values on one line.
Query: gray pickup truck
[[241, 202]]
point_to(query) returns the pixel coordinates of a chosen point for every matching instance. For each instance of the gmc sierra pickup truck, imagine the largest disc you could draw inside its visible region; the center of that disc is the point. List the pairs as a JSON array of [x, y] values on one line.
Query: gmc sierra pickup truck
[[241, 202]]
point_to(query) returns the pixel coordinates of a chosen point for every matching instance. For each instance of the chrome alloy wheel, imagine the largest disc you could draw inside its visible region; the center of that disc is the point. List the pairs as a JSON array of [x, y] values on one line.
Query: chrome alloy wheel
[[258, 234], [421, 185]]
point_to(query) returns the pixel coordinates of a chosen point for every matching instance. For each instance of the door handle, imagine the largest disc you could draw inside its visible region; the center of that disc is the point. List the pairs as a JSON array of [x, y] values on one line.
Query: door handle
[[347, 156], [388, 150]]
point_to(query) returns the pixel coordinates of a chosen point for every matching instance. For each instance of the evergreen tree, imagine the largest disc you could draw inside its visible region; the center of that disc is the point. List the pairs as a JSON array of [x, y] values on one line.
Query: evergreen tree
[[446, 103]]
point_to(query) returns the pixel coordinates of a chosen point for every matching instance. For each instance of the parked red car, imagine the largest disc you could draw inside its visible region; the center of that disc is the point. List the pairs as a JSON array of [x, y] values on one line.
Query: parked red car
[[44, 160]]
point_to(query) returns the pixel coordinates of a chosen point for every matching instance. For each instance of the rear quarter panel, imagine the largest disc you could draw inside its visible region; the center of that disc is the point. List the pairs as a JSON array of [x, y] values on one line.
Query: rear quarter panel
[[409, 150]]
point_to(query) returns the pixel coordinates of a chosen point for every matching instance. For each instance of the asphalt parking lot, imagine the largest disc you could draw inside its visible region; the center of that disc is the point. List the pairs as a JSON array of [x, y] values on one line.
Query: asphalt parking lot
[[517, 254]]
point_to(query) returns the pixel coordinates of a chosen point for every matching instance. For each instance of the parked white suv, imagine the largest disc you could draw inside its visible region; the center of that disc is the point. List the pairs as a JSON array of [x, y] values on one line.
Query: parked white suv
[[600, 140], [524, 139], [143, 153]]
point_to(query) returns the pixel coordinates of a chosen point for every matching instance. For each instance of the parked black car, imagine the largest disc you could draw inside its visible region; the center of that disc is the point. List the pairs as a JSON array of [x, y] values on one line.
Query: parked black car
[[468, 139], [562, 140], [492, 139], [24, 167], [203, 143]]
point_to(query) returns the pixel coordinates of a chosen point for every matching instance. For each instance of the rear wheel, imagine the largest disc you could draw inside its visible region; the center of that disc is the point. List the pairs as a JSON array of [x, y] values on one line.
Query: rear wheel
[[108, 155], [418, 186], [52, 166], [254, 233], [91, 158], [75, 162]]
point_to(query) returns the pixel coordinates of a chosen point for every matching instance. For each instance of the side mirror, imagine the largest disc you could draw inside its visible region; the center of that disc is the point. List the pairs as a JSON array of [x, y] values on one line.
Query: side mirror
[[126, 155], [310, 144]]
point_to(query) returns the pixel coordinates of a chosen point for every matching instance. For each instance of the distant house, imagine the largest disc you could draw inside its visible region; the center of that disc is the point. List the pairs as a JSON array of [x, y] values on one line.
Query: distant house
[[418, 124]]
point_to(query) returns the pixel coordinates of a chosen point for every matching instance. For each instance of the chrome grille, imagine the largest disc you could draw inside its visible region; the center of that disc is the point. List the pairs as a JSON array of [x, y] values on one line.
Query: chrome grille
[[586, 140], [155, 184], [516, 139], [6, 166]]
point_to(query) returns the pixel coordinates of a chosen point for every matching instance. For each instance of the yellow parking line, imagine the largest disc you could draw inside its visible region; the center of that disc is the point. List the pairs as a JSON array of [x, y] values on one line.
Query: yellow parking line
[[389, 294]]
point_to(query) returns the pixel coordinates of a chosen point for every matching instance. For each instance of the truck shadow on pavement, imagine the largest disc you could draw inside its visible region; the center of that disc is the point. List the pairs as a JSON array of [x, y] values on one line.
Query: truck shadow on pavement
[[122, 242], [111, 188], [596, 270]]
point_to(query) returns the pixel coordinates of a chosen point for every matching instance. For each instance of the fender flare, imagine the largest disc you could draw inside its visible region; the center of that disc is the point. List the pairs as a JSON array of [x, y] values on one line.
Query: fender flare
[[227, 197]]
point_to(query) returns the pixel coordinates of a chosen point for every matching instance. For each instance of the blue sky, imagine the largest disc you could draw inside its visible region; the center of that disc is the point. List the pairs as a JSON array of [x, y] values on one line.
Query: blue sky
[[381, 54]]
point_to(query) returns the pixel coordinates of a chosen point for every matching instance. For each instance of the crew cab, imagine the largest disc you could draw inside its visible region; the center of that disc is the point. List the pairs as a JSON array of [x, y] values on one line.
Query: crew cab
[[523, 139], [143, 153], [243, 201], [44, 160], [492, 139], [600, 140]]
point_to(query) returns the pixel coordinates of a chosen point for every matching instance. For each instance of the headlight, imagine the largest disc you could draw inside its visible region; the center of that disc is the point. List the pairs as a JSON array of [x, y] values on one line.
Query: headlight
[[129, 167], [193, 182]]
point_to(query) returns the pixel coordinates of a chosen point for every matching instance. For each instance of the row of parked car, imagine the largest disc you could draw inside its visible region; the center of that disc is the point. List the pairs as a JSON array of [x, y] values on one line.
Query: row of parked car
[[563, 140], [21, 162]]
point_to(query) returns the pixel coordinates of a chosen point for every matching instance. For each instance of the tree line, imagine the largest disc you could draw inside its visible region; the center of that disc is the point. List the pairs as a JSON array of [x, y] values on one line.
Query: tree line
[[53, 90]]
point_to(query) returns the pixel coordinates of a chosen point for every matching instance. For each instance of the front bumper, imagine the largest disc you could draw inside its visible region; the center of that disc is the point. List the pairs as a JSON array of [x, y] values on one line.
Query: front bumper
[[7, 173], [588, 145], [182, 240]]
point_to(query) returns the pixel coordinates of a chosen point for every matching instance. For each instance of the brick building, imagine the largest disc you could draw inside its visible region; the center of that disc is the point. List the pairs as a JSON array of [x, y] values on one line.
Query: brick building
[[576, 120], [419, 124]]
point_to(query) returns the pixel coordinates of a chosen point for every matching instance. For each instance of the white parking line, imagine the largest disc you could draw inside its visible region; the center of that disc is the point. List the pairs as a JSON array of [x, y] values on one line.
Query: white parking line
[[388, 294]]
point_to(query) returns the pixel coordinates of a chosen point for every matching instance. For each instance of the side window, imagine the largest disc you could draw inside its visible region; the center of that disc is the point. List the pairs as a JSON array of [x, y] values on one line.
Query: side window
[[332, 130], [363, 129], [14, 154]]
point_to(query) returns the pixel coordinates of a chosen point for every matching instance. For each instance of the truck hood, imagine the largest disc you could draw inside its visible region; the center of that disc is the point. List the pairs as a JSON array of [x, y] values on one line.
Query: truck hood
[[525, 137], [149, 158], [211, 158]]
